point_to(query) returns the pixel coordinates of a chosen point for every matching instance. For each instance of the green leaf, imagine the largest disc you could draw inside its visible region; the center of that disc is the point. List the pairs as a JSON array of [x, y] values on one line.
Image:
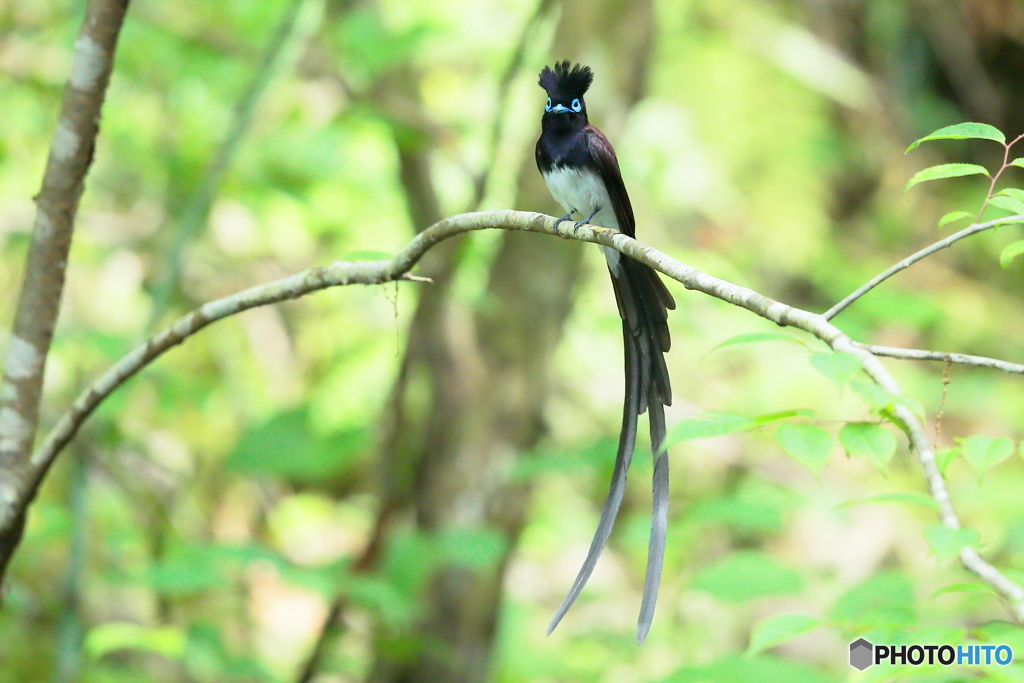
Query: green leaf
[[745, 575], [382, 598], [945, 456], [915, 406], [885, 600], [1009, 199], [838, 368], [706, 425], [757, 507], [875, 396], [964, 588], [187, 569], [1010, 252], [286, 446], [1011, 204], [945, 171], [807, 444], [963, 131], [897, 497], [954, 216], [946, 542], [984, 452], [881, 401], [869, 441], [169, 641], [1019, 161], [755, 337], [782, 415], [777, 629]]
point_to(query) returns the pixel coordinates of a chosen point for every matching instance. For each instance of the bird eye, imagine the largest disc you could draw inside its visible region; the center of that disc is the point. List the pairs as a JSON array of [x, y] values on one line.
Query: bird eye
[[548, 106], [576, 106]]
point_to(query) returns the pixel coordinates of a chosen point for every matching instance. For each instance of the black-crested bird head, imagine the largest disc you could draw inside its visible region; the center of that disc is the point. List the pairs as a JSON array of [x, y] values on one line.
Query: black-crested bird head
[[565, 87]]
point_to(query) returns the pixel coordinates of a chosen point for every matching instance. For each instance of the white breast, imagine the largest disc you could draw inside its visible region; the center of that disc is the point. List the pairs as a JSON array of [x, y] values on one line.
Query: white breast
[[583, 191]]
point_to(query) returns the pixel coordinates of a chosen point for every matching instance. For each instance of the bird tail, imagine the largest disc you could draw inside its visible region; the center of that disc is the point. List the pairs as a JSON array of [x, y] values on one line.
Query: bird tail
[[643, 302]]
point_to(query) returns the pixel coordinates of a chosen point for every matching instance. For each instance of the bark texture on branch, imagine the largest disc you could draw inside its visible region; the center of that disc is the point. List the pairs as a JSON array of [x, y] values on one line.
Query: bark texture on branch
[[378, 272], [71, 153]]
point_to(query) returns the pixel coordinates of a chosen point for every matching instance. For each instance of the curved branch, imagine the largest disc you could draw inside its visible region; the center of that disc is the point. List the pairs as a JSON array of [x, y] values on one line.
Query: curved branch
[[960, 358], [337, 274], [377, 272], [914, 258], [197, 205]]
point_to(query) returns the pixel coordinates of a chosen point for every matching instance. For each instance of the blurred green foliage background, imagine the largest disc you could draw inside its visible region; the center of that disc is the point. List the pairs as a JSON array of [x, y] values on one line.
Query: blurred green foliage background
[[296, 465]]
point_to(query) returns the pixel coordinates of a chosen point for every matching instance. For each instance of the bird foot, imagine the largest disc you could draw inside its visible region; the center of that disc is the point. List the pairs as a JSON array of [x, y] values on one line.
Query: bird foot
[[565, 218], [586, 220]]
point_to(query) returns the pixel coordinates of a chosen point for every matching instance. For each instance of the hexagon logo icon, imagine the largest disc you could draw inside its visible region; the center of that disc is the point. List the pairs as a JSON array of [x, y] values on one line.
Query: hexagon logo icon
[[861, 654]]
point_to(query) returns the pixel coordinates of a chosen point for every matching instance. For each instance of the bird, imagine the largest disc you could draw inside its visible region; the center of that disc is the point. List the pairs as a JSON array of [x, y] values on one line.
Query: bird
[[582, 173]]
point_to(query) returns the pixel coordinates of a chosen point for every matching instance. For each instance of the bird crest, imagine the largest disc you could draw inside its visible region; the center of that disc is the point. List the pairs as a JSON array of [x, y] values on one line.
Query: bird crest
[[564, 81]]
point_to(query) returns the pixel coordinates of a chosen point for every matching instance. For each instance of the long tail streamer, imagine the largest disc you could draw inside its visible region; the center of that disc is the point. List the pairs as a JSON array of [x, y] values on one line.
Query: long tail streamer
[[643, 302]]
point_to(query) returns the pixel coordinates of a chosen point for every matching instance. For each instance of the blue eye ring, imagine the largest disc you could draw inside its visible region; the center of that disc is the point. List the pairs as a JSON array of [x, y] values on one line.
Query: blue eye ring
[[576, 106], [547, 107]]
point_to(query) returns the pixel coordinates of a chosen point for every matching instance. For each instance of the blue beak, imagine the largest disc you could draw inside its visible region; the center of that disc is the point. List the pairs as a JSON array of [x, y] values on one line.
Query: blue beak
[[559, 109]]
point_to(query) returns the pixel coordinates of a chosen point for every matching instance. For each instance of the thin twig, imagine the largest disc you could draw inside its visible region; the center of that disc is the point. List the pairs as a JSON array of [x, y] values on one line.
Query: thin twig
[[914, 258], [942, 404], [333, 625], [958, 358], [377, 272], [995, 178]]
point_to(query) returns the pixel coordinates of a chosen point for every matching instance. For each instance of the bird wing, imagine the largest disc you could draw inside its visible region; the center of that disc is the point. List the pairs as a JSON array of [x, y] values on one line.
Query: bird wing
[[602, 155]]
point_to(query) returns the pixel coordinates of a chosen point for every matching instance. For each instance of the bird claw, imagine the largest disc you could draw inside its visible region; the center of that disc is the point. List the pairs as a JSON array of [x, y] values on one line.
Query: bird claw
[[586, 220], [564, 218]]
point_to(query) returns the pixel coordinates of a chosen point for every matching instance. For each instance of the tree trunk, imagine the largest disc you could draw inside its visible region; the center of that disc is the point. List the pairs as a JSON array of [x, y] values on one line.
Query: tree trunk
[[70, 158], [488, 374]]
